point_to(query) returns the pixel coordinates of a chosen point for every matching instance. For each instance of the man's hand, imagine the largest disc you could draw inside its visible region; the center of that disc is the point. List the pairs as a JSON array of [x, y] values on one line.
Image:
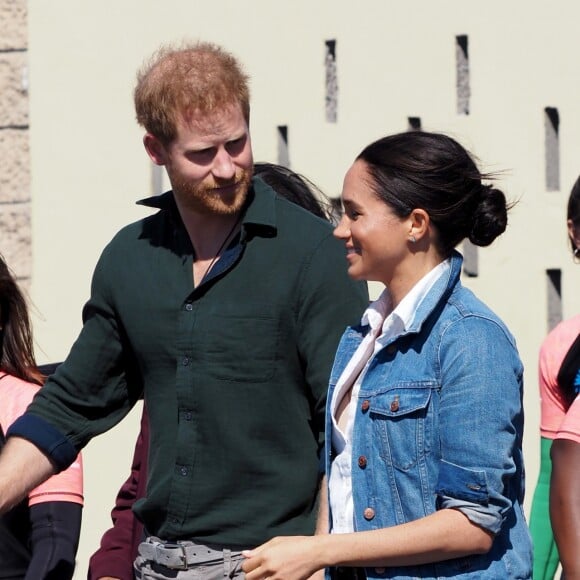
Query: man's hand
[[283, 558]]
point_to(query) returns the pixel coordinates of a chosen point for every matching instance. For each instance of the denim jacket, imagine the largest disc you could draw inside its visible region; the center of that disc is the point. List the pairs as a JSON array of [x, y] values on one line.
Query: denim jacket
[[438, 424]]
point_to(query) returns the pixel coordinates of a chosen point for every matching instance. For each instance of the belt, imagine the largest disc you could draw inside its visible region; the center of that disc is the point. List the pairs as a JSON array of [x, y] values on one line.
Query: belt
[[348, 573], [179, 555]]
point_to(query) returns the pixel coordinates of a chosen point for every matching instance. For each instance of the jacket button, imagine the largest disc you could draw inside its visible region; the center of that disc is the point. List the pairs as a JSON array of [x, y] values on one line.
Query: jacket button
[[365, 406], [362, 461], [395, 406], [369, 513]]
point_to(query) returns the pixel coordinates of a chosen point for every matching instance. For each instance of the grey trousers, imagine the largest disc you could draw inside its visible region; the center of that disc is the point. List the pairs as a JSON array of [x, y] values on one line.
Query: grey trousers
[[217, 565]]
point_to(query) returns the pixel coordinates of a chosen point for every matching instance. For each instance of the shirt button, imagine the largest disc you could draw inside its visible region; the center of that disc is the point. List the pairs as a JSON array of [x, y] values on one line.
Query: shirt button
[[362, 461], [395, 406], [189, 306], [365, 406], [369, 513], [185, 361]]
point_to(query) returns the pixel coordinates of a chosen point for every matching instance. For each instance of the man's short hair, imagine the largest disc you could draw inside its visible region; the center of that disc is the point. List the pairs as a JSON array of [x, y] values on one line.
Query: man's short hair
[[198, 79]]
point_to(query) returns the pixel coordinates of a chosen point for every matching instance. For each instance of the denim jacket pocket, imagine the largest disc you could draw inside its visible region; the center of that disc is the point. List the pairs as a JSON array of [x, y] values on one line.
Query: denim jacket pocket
[[403, 422]]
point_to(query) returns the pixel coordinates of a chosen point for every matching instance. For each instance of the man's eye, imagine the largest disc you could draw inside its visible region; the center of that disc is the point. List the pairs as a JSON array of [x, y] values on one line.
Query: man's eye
[[201, 154], [236, 146]]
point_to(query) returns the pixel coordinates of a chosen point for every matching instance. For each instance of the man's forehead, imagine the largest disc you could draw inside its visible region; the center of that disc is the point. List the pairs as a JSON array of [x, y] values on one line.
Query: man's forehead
[[203, 119]]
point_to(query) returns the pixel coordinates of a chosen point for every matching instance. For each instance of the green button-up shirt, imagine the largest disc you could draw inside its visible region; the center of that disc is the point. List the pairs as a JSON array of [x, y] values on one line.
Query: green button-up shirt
[[234, 371]]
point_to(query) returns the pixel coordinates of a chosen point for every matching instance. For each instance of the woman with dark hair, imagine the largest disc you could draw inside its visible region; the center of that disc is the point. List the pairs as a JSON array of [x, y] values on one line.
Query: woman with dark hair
[[39, 537], [424, 414], [557, 494]]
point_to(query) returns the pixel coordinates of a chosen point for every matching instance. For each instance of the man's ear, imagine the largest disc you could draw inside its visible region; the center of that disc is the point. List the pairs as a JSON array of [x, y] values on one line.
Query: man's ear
[[155, 149]]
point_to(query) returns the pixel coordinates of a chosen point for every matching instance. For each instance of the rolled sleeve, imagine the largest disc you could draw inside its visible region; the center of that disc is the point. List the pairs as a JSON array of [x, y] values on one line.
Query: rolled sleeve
[[466, 490], [481, 421], [90, 392], [48, 439]]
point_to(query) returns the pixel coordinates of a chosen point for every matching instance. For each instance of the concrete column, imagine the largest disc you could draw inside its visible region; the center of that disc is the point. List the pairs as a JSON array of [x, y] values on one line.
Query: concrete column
[[15, 230]]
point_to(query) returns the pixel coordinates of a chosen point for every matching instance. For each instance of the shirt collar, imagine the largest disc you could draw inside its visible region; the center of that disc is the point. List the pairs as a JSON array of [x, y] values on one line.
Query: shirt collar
[[259, 211], [378, 311]]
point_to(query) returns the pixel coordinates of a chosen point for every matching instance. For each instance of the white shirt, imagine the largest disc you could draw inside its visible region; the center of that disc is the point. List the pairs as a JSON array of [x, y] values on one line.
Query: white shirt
[[384, 323]]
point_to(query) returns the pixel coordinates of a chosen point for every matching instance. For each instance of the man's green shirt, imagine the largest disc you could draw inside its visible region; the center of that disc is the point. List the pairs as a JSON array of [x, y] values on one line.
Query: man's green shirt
[[234, 372]]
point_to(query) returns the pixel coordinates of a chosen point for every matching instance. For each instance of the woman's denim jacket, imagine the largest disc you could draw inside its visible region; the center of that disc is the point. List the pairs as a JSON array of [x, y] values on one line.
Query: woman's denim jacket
[[439, 424]]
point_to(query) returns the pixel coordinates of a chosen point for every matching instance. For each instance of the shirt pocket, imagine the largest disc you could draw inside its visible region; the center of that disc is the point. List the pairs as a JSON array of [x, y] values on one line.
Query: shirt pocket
[[402, 418], [243, 349]]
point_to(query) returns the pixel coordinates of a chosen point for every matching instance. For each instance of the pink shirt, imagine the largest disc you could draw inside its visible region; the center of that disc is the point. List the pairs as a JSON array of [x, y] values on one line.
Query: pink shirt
[[570, 427], [15, 396], [555, 423]]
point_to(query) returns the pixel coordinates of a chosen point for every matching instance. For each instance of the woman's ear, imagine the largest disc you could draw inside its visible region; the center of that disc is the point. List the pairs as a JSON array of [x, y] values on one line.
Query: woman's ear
[[155, 149], [574, 233], [419, 222]]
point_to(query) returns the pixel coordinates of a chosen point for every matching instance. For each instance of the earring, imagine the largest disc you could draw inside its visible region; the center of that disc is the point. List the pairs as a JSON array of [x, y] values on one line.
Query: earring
[[412, 239]]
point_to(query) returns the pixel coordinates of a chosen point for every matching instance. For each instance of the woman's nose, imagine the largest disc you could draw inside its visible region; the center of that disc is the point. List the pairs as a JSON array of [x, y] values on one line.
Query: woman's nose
[[342, 230]]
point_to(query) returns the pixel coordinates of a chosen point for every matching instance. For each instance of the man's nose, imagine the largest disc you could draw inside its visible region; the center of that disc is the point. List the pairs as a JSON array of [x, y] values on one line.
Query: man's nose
[[223, 165]]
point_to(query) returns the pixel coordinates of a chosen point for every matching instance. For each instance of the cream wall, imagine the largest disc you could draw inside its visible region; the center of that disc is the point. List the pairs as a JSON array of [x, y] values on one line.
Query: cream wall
[[394, 59]]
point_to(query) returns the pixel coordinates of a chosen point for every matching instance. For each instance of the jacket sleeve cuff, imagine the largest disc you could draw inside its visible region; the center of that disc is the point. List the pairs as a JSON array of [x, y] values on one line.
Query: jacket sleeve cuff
[[48, 439], [467, 491], [481, 516]]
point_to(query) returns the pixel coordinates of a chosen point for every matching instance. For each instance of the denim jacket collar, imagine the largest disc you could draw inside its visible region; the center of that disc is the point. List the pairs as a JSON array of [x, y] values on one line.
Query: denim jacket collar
[[442, 288]]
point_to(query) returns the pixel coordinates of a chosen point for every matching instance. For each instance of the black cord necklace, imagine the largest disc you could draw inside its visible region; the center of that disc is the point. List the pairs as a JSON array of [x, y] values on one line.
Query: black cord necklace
[[220, 249]]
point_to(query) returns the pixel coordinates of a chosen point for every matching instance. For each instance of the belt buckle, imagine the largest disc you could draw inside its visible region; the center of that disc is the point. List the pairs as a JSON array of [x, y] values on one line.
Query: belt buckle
[[183, 566]]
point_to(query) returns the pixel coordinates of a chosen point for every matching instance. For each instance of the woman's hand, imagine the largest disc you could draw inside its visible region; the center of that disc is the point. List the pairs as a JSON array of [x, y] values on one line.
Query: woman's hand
[[283, 558]]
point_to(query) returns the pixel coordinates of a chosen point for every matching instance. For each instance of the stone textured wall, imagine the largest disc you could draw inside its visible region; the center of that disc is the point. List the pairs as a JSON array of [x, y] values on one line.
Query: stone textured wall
[[15, 227]]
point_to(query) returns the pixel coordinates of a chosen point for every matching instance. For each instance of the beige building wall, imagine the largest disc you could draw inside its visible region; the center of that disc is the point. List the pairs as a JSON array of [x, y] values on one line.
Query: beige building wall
[[15, 240], [393, 61]]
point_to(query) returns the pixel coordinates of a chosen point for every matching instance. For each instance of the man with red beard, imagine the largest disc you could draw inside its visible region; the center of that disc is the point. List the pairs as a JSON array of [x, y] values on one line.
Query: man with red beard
[[224, 311]]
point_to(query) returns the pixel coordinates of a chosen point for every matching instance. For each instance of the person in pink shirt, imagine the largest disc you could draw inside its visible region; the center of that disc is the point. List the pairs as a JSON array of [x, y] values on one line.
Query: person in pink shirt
[[38, 537], [556, 495], [565, 453]]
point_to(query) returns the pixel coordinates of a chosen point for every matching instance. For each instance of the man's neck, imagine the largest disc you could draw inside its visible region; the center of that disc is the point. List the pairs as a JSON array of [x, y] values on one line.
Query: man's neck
[[209, 233]]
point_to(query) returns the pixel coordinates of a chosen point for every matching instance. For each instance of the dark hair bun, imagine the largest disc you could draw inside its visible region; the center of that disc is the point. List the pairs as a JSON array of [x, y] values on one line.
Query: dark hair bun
[[490, 217]]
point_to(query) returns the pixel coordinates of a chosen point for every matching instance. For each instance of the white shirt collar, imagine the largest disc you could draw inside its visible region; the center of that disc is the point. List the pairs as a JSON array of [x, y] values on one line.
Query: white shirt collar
[[377, 313]]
